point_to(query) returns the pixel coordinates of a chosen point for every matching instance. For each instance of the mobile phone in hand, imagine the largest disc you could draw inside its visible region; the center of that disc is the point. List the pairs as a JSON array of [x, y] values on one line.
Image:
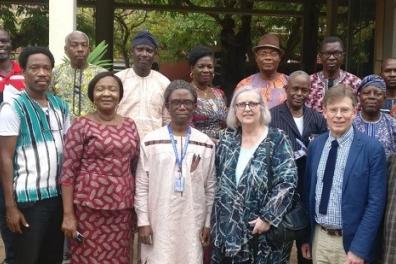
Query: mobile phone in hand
[[79, 237]]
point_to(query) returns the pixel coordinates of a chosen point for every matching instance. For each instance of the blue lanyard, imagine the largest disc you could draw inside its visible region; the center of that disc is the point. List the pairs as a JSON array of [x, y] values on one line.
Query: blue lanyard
[[173, 141]]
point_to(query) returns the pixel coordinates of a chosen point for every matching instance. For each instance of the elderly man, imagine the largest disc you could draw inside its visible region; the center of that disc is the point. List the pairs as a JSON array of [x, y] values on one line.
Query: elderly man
[[345, 190], [268, 56], [143, 87], [70, 79], [32, 125], [388, 73], [11, 82], [332, 57], [300, 123]]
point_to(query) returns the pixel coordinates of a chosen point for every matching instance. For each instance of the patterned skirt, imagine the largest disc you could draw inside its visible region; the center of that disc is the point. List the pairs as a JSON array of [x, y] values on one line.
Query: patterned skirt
[[107, 236]]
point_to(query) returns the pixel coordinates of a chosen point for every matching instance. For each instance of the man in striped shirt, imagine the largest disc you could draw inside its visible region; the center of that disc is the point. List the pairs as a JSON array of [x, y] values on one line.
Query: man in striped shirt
[[32, 125]]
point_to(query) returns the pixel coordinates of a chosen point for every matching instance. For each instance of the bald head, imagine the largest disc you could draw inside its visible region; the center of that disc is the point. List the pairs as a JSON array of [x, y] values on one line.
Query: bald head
[[388, 72], [77, 49]]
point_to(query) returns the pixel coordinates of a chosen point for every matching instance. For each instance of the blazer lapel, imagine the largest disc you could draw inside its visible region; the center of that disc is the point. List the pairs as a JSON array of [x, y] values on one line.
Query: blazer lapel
[[307, 120], [356, 147], [287, 117]]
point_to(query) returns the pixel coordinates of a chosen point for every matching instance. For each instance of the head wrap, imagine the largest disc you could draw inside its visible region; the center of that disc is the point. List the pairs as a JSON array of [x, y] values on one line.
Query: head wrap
[[197, 53], [144, 38], [372, 80]]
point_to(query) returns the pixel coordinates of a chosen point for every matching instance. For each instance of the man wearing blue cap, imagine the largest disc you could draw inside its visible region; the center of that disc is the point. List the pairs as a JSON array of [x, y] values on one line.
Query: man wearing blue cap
[[143, 99]]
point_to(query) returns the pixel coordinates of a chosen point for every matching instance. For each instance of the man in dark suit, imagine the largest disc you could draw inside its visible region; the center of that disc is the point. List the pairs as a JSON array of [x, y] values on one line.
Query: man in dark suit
[[300, 123], [345, 187]]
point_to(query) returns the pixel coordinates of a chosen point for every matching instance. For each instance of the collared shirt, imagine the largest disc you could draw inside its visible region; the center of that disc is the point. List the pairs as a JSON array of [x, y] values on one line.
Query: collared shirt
[[12, 82], [333, 218], [64, 81], [319, 85], [39, 144]]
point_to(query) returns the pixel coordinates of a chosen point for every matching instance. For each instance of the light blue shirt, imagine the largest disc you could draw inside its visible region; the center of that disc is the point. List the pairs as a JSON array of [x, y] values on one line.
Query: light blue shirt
[[333, 218]]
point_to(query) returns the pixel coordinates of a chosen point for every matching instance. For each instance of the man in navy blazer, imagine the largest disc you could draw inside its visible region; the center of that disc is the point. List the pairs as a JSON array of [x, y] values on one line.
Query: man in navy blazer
[[301, 124], [345, 188]]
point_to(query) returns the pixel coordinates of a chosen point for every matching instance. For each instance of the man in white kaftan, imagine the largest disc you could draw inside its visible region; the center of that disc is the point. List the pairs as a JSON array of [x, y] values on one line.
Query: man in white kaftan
[[176, 218]]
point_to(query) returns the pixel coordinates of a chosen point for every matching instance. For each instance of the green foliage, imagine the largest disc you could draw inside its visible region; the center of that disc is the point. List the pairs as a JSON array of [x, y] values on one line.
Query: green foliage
[[96, 56]]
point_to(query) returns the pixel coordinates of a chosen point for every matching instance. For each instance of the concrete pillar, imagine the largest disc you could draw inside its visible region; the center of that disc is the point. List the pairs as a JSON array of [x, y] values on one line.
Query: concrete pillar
[[62, 21]]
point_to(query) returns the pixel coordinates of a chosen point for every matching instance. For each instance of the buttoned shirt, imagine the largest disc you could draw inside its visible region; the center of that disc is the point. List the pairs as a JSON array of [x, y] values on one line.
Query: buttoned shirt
[[333, 218], [319, 85]]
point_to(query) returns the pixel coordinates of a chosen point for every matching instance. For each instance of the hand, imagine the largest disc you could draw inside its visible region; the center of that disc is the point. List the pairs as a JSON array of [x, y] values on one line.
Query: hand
[[353, 259], [205, 236], [69, 225], [146, 234], [260, 226], [306, 251], [15, 219]]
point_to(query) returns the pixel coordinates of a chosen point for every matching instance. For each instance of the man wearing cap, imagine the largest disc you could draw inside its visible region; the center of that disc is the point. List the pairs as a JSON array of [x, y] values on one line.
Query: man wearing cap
[[268, 56], [388, 72], [71, 78], [331, 55], [143, 99]]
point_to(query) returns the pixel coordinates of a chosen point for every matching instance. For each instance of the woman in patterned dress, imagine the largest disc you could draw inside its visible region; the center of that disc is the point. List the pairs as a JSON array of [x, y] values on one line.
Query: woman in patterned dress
[[98, 185], [209, 116], [249, 201]]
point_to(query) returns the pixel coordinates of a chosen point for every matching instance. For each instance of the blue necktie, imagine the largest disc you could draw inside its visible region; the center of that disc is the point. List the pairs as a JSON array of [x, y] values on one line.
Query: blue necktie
[[328, 177]]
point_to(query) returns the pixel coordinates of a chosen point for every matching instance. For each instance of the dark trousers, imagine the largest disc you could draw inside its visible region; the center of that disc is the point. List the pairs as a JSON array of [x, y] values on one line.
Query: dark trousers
[[42, 241], [6, 234]]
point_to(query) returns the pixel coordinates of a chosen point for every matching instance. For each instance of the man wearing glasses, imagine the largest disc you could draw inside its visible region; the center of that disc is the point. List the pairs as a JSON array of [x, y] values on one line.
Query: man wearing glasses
[[345, 188], [331, 55], [71, 78], [268, 54]]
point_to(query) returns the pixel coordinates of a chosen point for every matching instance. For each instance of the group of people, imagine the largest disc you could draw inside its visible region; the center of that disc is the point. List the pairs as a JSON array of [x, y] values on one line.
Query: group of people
[[94, 156]]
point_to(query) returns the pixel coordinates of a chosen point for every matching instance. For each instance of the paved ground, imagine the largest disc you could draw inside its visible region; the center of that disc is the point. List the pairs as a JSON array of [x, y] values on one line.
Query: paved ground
[[293, 259]]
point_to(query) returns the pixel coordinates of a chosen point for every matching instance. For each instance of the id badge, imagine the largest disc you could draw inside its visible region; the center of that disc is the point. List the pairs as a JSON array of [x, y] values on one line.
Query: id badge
[[179, 184]]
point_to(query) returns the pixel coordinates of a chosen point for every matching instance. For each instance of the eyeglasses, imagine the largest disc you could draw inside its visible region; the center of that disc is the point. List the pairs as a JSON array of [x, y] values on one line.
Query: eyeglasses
[[343, 111], [264, 53], [242, 105], [336, 54], [179, 103]]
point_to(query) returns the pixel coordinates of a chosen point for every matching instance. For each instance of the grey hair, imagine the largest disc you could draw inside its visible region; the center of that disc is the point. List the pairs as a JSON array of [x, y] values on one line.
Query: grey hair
[[67, 38], [299, 73], [232, 120]]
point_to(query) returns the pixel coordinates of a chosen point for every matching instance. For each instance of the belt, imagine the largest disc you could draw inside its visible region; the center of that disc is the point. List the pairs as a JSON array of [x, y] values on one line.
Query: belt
[[332, 232]]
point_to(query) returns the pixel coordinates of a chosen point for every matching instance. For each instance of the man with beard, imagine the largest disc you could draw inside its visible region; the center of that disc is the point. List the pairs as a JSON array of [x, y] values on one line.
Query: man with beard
[[332, 57], [143, 99], [388, 73], [32, 125], [268, 55], [300, 123], [71, 78]]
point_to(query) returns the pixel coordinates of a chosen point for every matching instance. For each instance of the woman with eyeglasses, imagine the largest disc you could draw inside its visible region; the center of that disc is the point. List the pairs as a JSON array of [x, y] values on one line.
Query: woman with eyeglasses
[[175, 185], [256, 181], [100, 156], [210, 114]]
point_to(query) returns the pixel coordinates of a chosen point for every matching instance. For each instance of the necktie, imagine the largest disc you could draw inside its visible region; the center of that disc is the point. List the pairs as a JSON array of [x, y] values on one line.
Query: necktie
[[328, 177], [330, 83]]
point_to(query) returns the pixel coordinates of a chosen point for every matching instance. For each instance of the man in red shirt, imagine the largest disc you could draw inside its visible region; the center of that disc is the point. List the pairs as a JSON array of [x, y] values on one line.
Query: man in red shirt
[[11, 81], [11, 78]]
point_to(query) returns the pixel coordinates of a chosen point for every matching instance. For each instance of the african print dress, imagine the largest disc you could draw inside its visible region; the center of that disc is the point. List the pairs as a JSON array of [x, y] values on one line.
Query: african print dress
[[236, 204], [98, 163], [210, 115]]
